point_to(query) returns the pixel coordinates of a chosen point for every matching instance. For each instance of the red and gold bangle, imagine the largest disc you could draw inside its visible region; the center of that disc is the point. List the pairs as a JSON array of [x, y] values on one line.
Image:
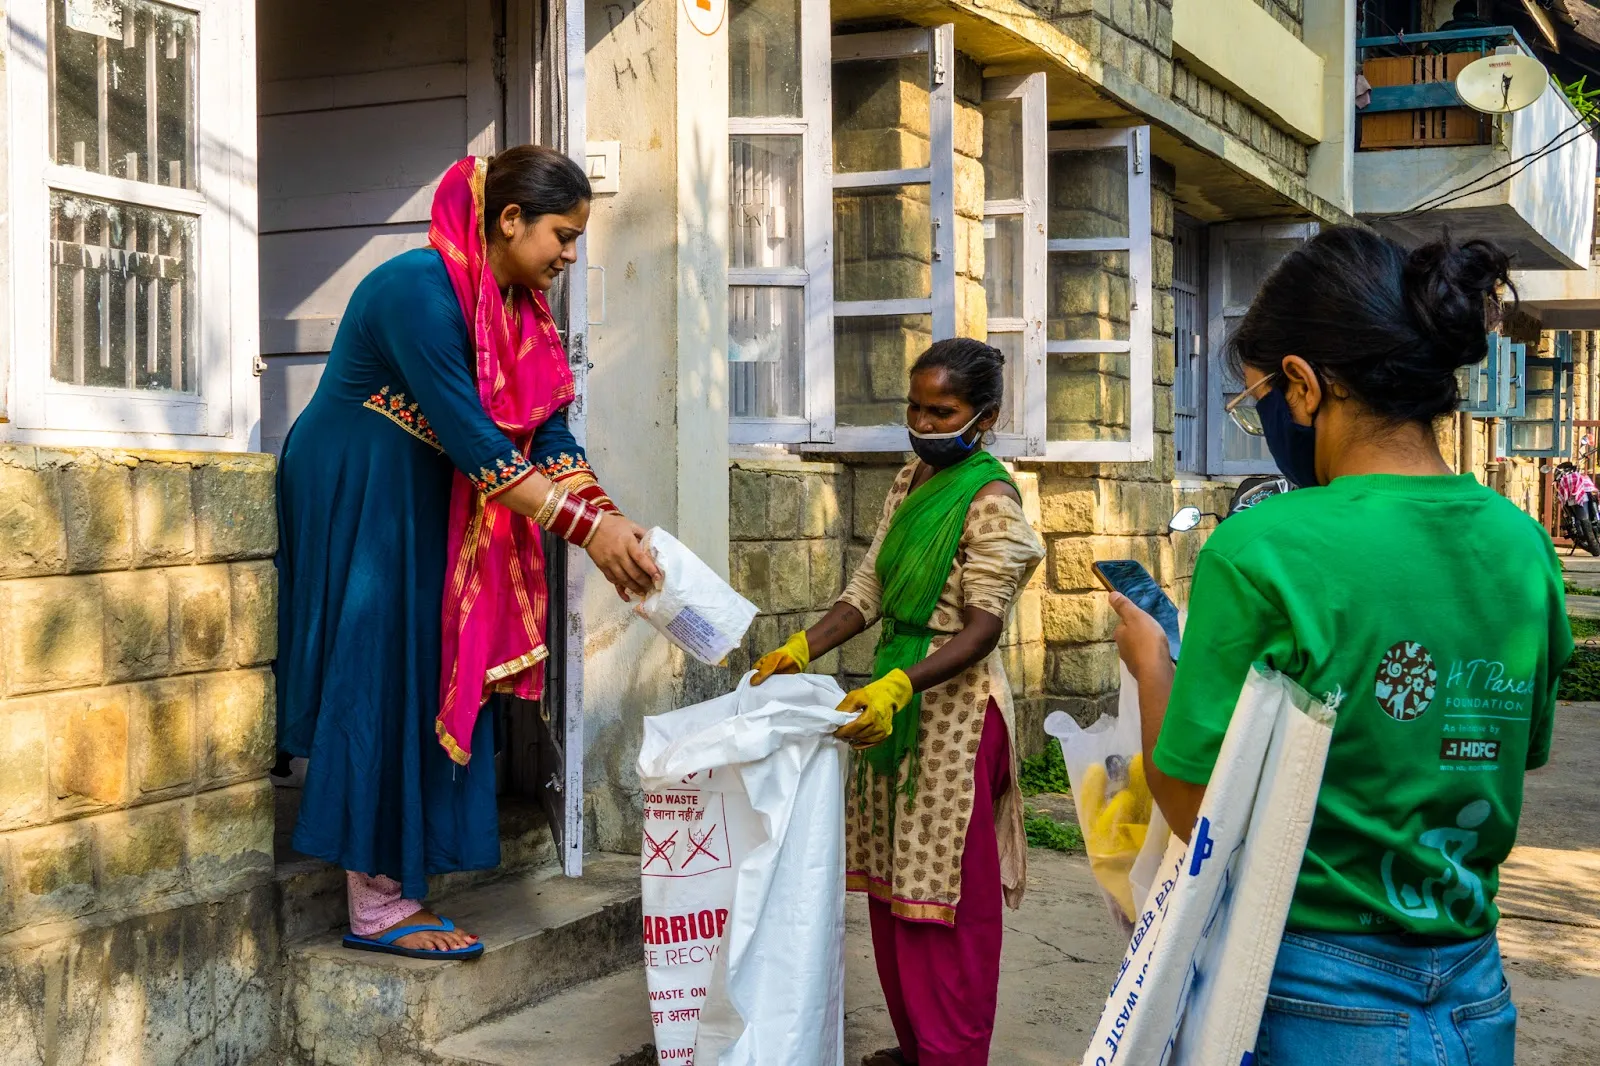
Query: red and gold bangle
[[575, 520], [589, 489]]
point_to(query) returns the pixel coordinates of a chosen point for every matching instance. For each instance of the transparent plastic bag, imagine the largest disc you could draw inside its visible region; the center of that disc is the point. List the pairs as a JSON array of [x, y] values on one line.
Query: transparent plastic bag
[[1105, 765]]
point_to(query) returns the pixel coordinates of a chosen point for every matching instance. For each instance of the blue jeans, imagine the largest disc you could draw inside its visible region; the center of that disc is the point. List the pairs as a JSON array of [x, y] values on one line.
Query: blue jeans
[[1359, 1000]]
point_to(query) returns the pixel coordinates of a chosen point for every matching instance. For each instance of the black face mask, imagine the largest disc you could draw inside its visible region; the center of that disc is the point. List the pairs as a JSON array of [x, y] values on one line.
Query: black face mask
[[1293, 446], [940, 450]]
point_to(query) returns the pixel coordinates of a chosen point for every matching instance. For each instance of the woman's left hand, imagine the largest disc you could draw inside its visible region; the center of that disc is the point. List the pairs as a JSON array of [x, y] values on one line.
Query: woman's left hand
[[1141, 642], [617, 550], [874, 707]]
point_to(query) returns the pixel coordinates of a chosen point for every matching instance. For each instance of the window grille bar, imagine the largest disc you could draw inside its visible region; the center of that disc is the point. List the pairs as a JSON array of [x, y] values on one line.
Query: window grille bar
[[152, 95], [103, 103]]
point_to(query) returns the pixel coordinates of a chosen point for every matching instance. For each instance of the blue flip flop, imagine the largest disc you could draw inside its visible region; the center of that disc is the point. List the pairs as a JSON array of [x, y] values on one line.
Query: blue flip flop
[[386, 943]]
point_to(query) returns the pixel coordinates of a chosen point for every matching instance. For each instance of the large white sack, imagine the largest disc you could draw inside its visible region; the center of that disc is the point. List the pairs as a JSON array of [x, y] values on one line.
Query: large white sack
[[742, 875], [1193, 983], [692, 606]]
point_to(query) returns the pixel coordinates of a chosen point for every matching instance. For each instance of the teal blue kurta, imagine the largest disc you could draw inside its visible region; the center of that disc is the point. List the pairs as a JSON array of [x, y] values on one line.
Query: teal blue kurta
[[364, 496]]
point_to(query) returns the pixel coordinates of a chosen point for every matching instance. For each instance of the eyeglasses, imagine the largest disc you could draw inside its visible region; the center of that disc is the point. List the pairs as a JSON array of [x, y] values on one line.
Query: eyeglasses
[[1242, 408]]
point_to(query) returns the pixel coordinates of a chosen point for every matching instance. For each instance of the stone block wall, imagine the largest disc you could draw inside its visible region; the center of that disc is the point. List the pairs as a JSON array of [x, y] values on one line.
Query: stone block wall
[[1290, 14], [788, 526], [1135, 36], [137, 629]]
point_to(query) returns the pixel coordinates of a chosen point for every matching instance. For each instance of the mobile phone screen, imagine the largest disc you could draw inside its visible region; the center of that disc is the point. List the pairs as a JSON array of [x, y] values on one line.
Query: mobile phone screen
[[1135, 582]]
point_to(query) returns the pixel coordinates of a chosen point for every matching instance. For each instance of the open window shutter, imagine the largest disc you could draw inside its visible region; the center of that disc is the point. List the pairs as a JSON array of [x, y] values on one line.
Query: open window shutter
[[1015, 164], [1545, 427], [1098, 400]]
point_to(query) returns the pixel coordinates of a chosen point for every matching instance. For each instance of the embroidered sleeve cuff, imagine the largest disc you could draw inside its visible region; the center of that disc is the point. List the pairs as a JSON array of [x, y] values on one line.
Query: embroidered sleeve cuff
[[505, 473], [574, 474]]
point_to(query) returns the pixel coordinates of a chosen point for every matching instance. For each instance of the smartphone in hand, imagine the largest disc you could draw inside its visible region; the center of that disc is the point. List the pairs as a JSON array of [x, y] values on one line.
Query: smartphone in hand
[[1134, 581]]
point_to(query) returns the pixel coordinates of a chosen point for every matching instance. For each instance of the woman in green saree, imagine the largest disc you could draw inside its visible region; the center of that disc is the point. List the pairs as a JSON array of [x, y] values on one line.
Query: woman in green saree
[[934, 828]]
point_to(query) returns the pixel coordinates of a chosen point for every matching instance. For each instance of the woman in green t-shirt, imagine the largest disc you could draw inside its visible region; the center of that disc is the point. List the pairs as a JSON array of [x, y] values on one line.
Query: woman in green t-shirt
[[1424, 609]]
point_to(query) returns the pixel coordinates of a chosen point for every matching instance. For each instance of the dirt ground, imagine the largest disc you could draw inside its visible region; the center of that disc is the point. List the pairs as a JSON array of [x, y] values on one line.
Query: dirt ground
[[1061, 947]]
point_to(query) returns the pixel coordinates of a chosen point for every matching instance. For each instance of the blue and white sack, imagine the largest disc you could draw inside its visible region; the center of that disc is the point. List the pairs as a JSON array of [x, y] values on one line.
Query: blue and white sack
[[1191, 989]]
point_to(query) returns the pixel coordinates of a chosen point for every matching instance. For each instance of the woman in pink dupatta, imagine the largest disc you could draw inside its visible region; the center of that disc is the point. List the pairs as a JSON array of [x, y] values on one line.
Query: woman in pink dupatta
[[414, 491]]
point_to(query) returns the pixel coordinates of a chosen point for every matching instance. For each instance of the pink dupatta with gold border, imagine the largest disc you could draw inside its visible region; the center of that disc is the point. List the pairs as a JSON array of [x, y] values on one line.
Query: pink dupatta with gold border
[[495, 597]]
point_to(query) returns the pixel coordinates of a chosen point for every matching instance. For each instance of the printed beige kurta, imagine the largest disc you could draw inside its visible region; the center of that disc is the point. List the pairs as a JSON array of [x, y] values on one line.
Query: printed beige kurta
[[916, 867]]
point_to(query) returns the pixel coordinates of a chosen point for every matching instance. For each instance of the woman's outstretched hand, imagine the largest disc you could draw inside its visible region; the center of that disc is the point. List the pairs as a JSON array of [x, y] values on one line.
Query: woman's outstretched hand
[[792, 658], [618, 552]]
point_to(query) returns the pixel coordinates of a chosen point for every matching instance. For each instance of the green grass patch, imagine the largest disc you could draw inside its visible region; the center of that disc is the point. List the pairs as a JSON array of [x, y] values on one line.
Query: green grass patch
[[1581, 590], [1045, 772], [1045, 832], [1584, 628], [1581, 679]]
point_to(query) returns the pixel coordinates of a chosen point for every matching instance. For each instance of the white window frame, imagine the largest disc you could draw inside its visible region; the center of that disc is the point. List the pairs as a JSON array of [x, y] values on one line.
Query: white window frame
[[1140, 345], [938, 43], [224, 250], [1028, 380], [1217, 312], [815, 128]]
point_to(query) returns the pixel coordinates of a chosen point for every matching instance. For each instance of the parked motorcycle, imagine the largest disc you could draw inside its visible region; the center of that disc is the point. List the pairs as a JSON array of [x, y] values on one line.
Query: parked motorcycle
[[1580, 506]]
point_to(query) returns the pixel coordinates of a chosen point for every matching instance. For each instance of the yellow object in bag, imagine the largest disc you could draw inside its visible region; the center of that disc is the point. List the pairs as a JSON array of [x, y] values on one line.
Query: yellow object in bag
[[1115, 825]]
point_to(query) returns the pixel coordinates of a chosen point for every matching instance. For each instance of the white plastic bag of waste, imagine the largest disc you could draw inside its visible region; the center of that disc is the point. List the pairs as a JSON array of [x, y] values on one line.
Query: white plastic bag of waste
[[1193, 984], [742, 872], [692, 606]]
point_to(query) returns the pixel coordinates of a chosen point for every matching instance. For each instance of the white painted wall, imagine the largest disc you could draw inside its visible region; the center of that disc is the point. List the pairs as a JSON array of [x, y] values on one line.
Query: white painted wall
[[1236, 44], [1330, 32], [658, 420]]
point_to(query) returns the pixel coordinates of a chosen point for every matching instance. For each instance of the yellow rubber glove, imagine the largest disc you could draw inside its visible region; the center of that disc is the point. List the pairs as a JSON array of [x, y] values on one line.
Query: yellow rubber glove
[[874, 706], [792, 658]]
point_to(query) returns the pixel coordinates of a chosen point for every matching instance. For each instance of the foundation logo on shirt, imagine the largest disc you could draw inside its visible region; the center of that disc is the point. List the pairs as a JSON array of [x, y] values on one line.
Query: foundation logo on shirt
[[1407, 679]]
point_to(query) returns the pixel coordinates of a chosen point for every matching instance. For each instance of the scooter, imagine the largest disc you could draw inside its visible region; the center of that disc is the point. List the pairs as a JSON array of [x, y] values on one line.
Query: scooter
[[1251, 491]]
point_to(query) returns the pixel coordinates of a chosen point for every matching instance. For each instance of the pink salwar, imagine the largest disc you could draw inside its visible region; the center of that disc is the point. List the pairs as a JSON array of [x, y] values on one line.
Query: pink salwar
[[941, 982], [376, 903]]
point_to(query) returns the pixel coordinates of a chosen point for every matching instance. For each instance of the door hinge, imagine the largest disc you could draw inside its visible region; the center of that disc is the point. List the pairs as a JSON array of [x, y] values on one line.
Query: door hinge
[[938, 68], [500, 58], [258, 366], [1138, 155]]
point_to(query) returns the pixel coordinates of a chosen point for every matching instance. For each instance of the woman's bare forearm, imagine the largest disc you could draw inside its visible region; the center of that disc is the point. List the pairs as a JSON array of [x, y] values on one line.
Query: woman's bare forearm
[[980, 635], [527, 496], [835, 627]]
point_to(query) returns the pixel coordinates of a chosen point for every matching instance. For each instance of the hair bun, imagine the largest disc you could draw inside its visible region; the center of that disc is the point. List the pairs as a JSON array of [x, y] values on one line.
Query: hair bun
[[1452, 289]]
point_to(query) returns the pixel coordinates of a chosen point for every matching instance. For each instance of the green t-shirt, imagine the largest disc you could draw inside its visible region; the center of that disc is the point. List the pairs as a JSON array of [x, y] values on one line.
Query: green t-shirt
[[1428, 612]]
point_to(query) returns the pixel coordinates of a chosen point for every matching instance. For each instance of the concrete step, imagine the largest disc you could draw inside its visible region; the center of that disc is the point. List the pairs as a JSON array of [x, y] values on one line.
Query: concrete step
[[605, 1022], [311, 893], [542, 933]]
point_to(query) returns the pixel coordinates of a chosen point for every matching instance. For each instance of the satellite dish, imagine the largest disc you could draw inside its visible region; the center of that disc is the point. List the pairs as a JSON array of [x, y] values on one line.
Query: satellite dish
[[1499, 84]]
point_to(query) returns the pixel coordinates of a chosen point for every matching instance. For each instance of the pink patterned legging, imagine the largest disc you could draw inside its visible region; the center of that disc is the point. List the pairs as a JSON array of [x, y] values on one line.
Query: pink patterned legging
[[376, 903]]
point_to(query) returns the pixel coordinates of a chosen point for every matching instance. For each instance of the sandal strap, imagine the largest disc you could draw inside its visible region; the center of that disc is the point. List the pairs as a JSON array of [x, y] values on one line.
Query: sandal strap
[[445, 925]]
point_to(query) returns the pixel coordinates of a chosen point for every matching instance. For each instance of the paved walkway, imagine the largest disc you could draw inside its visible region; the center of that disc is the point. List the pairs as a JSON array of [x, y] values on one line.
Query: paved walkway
[[1061, 947]]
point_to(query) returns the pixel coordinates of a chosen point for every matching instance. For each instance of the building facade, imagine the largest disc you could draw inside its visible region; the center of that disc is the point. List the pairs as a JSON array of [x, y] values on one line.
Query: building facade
[[794, 198]]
